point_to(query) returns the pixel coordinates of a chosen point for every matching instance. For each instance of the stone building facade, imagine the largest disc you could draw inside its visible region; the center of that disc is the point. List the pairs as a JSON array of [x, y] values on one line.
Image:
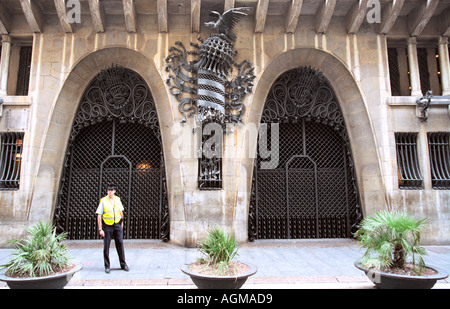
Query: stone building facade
[[375, 58]]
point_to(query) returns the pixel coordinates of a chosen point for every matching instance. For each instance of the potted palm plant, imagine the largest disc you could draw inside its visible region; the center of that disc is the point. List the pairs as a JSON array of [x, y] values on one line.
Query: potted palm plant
[[217, 270], [39, 260], [394, 256]]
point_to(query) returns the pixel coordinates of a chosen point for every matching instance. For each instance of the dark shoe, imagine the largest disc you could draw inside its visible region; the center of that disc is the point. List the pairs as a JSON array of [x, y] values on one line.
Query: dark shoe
[[126, 268], [107, 270]]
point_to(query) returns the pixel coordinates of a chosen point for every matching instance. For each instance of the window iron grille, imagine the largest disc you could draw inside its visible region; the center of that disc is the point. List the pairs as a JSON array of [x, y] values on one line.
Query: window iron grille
[[422, 57], [438, 66], [210, 163], [23, 75], [409, 176], [439, 150], [10, 160], [394, 73]]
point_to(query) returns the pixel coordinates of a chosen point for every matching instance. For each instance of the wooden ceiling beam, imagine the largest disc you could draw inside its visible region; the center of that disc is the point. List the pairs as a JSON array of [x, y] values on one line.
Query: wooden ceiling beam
[[62, 15], [389, 16], [293, 14], [33, 15], [356, 16], [129, 11], [98, 15], [229, 4], [324, 14], [161, 6], [420, 16], [260, 15], [444, 23], [195, 15], [5, 20]]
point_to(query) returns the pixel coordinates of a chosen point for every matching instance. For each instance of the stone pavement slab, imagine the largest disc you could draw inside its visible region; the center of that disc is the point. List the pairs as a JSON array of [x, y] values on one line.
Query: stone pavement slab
[[281, 264]]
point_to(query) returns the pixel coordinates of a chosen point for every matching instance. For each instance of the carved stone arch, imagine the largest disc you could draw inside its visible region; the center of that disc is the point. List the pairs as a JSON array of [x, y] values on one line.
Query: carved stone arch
[[355, 114], [115, 138], [63, 110], [310, 191]]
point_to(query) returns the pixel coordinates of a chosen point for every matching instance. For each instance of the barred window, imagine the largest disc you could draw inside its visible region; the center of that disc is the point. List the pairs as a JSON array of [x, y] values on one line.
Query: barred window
[[429, 70], [439, 149], [394, 73], [399, 71], [409, 176], [438, 66], [23, 74], [422, 56], [10, 160], [210, 163]]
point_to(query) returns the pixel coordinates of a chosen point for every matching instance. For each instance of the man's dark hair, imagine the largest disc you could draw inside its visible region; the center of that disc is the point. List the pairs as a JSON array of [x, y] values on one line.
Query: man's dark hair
[[111, 187]]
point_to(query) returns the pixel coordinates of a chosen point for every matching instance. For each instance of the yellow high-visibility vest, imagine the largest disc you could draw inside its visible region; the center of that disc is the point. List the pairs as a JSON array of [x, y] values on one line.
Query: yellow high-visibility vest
[[111, 212]]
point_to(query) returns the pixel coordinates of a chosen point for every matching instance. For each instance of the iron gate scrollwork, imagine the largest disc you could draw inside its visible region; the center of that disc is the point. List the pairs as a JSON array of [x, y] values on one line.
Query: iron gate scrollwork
[[115, 138], [312, 191]]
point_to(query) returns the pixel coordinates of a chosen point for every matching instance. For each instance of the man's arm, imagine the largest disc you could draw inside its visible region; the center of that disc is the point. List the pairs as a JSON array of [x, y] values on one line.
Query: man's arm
[[121, 211], [99, 221], [99, 213]]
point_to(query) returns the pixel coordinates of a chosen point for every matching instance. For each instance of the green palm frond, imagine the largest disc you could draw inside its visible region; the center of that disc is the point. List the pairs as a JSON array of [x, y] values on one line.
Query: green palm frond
[[390, 237], [218, 248], [39, 254]]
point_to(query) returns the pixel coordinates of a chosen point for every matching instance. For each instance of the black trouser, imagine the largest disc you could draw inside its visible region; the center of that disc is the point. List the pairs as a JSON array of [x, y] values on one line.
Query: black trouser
[[113, 231]]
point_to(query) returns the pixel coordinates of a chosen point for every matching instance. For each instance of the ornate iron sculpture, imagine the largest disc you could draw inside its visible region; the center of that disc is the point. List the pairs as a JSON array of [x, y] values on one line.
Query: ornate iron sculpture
[[303, 93], [116, 93], [312, 192], [210, 95], [202, 86], [115, 138], [423, 103]]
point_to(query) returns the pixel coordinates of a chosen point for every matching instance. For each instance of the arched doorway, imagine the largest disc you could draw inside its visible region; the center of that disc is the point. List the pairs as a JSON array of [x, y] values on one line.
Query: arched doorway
[[312, 192], [115, 138]]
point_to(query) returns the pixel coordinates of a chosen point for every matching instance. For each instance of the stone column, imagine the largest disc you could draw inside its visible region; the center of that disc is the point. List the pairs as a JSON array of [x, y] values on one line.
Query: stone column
[[444, 65], [414, 75], [6, 54]]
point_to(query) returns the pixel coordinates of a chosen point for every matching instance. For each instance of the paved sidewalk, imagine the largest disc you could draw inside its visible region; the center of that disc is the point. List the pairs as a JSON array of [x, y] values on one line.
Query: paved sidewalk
[[282, 264]]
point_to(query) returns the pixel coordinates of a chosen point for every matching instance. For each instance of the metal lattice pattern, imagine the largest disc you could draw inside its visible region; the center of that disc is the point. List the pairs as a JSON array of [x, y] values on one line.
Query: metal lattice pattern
[[439, 147], [394, 73], [11, 145], [210, 164], [202, 88], [122, 150], [409, 176], [312, 192], [422, 58], [23, 76]]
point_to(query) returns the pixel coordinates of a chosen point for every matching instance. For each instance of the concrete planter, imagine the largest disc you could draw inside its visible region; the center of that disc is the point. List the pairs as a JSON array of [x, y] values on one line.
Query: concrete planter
[[219, 282], [384, 280], [57, 281]]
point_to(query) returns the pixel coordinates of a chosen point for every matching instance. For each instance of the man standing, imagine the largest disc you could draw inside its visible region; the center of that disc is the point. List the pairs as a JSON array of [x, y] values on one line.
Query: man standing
[[110, 224]]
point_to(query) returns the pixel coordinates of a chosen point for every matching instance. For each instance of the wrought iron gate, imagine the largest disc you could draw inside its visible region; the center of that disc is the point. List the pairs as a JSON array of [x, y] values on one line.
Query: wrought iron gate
[[312, 192], [115, 139]]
